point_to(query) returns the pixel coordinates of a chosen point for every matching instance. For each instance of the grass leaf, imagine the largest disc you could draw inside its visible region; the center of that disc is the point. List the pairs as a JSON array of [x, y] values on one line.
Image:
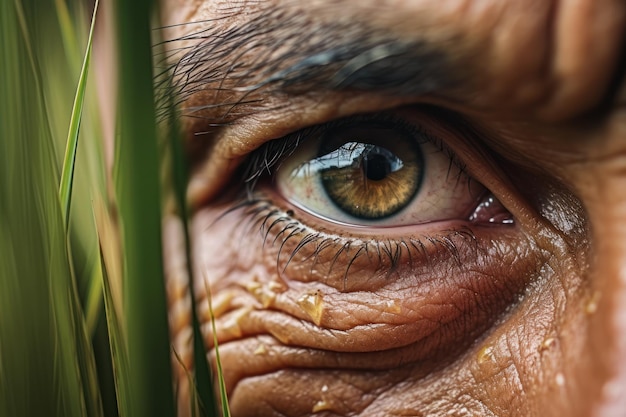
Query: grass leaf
[[67, 175], [202, 396], [115, 326], [220, 372], [139, 200]]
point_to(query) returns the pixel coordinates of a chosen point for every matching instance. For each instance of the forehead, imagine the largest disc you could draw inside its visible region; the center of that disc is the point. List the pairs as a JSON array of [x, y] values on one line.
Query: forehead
[[516, 53], [435, 19], [403, 14], [398, 48]]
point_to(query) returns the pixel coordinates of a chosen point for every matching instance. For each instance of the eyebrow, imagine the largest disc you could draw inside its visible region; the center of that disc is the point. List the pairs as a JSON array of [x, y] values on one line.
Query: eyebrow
[[279, 52], [387, 66]]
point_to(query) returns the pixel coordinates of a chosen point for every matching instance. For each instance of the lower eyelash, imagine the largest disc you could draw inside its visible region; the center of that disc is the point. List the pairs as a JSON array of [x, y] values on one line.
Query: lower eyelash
[[279, 227]]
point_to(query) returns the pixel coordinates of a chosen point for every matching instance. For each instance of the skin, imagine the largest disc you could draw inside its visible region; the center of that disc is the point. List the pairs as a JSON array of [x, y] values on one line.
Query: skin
[[521, 320]]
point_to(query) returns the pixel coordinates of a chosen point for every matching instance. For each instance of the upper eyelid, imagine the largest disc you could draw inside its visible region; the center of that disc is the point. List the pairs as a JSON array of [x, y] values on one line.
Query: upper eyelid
[[265, 158], [217, 153], [220, 173]]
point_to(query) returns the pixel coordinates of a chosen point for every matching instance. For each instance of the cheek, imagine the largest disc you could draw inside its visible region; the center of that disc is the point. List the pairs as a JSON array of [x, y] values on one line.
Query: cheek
[[272, 275], [307, 328], [532, 360], [225, 254]]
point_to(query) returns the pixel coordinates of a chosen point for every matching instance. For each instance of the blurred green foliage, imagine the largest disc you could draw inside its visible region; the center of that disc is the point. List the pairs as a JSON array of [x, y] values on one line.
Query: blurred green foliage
[[68, 347]]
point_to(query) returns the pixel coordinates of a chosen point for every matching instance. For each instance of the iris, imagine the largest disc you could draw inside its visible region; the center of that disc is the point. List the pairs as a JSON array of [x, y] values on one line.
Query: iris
[[369, 173]]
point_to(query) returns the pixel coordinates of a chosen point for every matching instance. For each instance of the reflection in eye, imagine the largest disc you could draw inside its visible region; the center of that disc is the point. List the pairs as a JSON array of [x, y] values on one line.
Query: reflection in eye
[[384, 173]]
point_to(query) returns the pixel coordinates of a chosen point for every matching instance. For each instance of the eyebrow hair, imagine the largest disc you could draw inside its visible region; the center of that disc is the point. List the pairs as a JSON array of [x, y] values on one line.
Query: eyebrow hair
[[389, 66], [279, 52]]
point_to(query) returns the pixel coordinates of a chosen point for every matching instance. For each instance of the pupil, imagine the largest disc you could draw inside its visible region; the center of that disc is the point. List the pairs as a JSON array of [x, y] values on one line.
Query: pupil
[[376, 167]]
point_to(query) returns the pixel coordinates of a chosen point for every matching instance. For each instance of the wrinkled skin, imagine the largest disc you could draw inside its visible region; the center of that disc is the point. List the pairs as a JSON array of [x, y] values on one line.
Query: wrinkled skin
[[526, 319]]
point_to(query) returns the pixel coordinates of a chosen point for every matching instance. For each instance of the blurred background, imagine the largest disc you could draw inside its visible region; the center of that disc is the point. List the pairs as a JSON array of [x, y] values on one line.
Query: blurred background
[[83, 312]]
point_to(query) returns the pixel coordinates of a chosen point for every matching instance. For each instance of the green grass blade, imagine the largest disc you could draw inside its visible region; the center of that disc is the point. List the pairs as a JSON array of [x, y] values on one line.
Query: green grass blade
[[67, 175], [139, 199], [202, 386], [83, 350], [68, 32], [94, 301], [220, 372], [115, 327], [85, 357]]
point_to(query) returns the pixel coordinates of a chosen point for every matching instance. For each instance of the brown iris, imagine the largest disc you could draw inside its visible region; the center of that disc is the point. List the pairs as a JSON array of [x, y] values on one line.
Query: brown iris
[[370, 172]]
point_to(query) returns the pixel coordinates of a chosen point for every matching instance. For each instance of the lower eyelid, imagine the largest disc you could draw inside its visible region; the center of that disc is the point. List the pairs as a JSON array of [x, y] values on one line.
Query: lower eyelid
[[413, 287], [297, 239]]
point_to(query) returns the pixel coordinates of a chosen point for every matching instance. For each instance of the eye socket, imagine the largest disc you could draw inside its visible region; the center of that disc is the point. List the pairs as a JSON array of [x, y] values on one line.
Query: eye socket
[[386, 173]]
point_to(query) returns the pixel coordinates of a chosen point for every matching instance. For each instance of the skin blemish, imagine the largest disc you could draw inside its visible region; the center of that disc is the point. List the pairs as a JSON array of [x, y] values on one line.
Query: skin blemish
[[233, 325], [592, 304], [393, 307], [547, 344], [321, 405], [220, 304], [559, 379], [260, 350], [490, 361], [264, 294], [267, 297], [312, 304], [253, 286], [485, 355], [277, 287]]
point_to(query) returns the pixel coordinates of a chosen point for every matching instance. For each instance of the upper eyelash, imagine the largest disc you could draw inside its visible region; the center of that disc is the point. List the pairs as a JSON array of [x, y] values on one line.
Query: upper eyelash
[[269, 155]]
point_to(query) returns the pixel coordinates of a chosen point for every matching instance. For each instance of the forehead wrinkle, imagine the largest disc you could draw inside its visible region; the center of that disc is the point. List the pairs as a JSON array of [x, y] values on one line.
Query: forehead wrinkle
[[228, 68]]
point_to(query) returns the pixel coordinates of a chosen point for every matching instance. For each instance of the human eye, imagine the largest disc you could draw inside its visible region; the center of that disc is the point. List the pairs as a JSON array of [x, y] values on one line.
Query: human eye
[[382, 171], [321, 230]]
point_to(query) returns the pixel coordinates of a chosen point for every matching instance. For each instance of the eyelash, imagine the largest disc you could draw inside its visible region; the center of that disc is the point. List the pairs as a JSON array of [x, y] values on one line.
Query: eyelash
[[264, 216], [269, 155], [262, 213]]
